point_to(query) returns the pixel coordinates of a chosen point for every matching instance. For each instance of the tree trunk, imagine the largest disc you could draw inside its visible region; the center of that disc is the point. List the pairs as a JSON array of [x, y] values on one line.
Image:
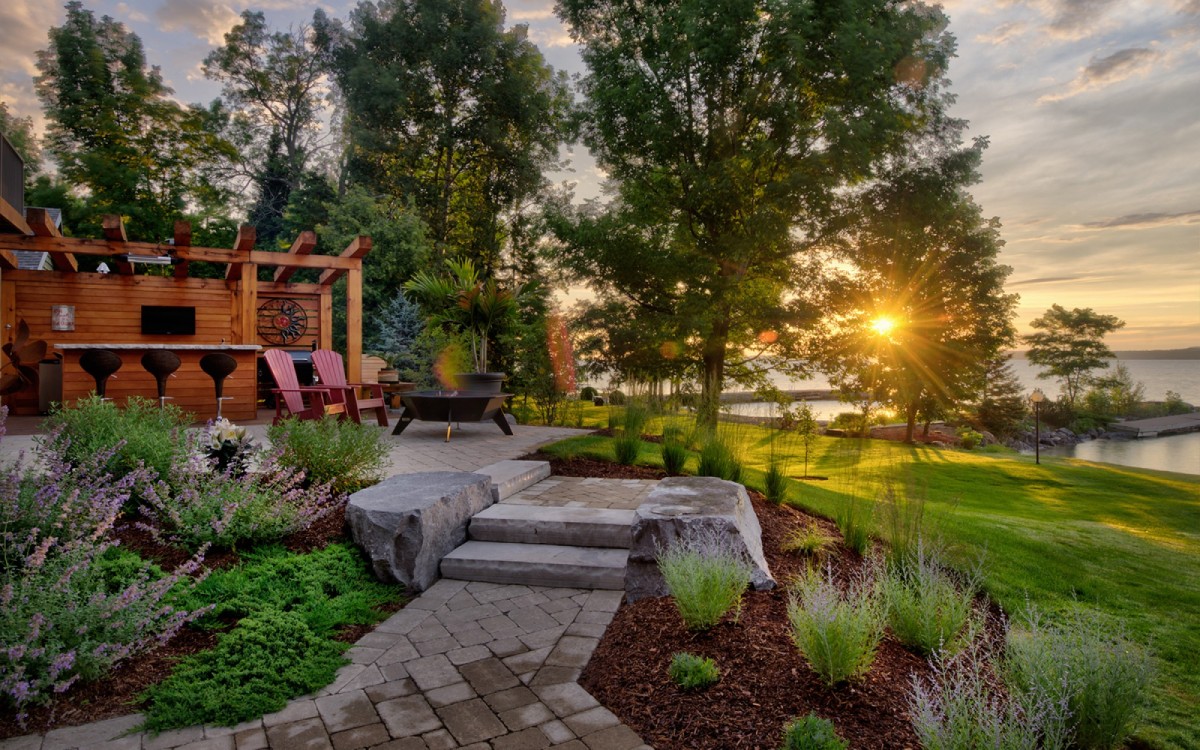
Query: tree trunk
[[910, 427], [713, 374]]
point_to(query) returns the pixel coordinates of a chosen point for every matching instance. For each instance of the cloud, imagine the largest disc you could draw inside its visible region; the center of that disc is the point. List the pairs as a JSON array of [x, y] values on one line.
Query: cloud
[[23, 27], [1075, 19], [554, 36], [1102, 72], [130, 13], [207, 19], [536, 14], [1005, 33], [1049, 280], [1145, 220]]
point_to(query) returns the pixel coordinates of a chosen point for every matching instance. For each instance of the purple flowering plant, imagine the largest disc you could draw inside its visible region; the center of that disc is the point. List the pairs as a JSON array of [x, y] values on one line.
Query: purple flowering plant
[[61, 618]]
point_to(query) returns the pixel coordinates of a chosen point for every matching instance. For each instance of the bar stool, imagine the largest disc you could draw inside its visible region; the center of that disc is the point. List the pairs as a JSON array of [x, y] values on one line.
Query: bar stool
[[218, 366], [161, 364], [101, 364]]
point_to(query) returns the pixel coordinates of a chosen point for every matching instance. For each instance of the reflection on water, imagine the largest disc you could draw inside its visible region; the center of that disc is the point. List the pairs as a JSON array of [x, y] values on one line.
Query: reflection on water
[[1179, 453]]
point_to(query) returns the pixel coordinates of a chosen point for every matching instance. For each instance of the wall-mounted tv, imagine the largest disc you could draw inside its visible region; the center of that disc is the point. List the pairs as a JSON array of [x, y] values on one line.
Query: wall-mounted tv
[[168, 321]]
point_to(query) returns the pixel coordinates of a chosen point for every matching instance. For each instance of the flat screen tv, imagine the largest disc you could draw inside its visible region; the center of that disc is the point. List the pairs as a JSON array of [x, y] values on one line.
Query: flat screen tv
[[168, 321]]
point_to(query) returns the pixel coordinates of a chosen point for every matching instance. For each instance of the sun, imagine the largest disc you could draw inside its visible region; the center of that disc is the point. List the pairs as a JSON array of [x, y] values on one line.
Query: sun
[[883, 325]]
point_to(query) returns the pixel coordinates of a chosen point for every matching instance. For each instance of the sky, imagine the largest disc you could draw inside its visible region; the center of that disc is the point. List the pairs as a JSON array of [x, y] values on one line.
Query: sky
[[1092, 109]]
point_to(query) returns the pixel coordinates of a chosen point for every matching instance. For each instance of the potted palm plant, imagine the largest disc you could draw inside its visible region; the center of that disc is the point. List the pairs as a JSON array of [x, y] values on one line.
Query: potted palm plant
[[464, 302]]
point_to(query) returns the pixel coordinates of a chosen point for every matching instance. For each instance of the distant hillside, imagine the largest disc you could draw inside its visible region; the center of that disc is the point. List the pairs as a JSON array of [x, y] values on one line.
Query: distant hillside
[[1192, 352]]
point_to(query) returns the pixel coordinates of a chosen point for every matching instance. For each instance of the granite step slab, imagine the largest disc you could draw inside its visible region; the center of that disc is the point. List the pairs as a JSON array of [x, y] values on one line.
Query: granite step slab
[[538, 565], [511, 476], [572, 527]]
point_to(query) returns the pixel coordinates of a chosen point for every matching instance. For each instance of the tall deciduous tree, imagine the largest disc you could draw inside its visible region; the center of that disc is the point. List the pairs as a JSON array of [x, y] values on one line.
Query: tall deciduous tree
[[1069, 344], [272, 82], [446, 106], [926, 298], [114, 131], [19, 132], [728, 128]]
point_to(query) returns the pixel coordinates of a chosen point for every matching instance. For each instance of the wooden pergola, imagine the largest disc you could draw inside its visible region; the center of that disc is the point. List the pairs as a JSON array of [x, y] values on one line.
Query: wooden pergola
[[35, 231]]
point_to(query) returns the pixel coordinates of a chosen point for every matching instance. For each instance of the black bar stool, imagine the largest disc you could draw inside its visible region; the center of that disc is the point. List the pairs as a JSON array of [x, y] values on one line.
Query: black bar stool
[[161, 364], [218, 366], [101, 364]]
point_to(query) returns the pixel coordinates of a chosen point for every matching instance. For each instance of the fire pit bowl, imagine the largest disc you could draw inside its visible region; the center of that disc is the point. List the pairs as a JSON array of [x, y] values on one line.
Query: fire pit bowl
[[452, 406]]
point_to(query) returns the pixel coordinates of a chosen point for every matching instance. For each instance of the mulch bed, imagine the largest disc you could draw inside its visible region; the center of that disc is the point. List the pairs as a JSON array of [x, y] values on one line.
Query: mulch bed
[[116, 693]]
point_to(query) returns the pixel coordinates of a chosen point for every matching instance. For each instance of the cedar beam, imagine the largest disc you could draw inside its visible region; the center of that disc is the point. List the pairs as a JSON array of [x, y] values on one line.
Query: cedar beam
[[8, 261], [303, 245], [214, 255], [358, 247], [183, 238], [243, 246], [114, 228], [11, 216], [43, 226], [354, 323]]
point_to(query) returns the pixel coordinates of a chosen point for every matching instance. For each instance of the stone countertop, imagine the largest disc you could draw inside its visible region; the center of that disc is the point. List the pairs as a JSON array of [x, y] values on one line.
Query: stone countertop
[[172, 347]]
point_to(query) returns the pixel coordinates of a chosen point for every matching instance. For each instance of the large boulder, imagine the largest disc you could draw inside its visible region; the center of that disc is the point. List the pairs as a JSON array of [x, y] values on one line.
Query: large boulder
[[407, 523], [685, 507]]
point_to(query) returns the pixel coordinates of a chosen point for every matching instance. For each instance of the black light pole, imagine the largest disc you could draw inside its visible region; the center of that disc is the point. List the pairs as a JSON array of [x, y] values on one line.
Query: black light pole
[[1037, 397]]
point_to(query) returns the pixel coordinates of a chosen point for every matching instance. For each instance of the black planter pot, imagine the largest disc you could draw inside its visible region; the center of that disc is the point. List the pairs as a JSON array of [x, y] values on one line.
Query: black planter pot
[[481, 382]]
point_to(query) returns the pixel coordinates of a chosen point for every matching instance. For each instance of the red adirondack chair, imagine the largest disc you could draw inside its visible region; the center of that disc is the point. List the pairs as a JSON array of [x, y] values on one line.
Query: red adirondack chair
[[303, 402], [357, 397]]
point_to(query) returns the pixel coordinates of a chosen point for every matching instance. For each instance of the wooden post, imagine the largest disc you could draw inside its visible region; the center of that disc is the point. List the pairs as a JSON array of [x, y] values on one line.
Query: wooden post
[[183, 238], [325, 334], [354, 321]]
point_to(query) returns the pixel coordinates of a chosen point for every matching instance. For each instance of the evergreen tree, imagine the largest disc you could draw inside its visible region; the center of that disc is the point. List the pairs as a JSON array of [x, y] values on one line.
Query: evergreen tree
[[1003, 405]]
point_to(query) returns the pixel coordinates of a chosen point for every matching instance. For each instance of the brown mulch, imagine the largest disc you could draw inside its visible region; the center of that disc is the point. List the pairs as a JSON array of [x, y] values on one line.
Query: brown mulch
[[764, 681], [116, 693], [581, 466]]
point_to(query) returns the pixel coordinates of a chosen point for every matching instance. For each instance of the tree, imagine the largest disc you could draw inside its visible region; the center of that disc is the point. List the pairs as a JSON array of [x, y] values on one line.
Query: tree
[[728, 129], [1116, 395], [1069, 344], [271, 81], [19, 132], [1002, 403], [114, 131], [398, 335], [925, 301], [446, 106]]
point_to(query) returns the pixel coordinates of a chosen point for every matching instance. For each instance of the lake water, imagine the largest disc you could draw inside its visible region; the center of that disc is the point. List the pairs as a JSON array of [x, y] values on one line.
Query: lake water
[[1179, 453]]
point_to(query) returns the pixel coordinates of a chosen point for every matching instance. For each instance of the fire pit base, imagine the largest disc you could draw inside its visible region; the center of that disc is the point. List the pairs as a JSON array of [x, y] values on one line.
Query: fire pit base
[[451, 407]]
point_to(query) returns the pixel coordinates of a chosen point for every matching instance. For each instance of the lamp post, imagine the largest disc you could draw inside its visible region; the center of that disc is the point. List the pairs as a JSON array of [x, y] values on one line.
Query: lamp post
[[1037, 397]]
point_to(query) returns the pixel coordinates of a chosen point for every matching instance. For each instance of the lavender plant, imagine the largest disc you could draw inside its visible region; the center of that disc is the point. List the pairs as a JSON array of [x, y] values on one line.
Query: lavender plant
[[837, 633], [63, 615], [706, 576], [957, 708], [926, 608], [198, 505]]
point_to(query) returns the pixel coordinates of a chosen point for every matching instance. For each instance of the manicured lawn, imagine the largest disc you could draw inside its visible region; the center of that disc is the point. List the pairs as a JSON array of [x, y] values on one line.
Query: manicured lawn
[[1121, 543]]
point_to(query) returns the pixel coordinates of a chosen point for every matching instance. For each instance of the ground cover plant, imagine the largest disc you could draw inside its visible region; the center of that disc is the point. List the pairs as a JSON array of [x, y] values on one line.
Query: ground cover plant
[[811, 733], [691, 672], [1107, 541], [75, 604]]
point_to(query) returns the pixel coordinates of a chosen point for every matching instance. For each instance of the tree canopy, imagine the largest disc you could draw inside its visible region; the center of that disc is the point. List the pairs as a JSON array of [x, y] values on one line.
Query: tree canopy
[[728, 129], [1069, 344]]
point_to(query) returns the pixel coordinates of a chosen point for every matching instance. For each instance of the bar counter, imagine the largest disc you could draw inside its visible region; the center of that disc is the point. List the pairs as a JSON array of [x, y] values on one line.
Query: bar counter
[[191, 389]]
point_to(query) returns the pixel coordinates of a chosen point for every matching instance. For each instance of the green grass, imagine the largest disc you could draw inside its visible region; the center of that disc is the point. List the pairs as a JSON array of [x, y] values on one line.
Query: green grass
[[1120, 543]]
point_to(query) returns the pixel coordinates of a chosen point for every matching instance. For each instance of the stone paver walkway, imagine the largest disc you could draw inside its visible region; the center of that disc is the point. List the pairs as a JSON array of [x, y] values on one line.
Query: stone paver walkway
[[479, 666]]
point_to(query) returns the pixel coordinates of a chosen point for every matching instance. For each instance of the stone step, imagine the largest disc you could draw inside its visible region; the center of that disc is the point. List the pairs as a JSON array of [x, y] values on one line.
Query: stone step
[[538, 565], [511, 476], [573, 527]]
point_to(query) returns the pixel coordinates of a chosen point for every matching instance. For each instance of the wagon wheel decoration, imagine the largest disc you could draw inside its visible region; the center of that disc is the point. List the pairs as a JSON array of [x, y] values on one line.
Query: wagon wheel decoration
[[281, 321]]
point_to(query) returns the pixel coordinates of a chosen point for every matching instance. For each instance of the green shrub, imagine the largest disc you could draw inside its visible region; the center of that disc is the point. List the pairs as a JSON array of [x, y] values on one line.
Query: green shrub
[[956, 708], [837, 633], [616, 398], [139, 432], [341, 453], [854, 519], [810, 540], [811, 733], [627, 448], [775, 483], [587, 393], [706, 576], [253, 670], [926, 608], [1095, 671], [674, 450], [197, 505], [969, 439], [691, 672], [717, 459]]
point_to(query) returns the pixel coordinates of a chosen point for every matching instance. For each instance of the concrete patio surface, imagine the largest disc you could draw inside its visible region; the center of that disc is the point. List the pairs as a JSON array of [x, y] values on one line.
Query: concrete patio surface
[[480, 666]]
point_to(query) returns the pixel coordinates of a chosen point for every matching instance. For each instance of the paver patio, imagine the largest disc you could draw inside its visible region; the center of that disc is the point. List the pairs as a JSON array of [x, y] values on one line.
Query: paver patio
[[479, 666]]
